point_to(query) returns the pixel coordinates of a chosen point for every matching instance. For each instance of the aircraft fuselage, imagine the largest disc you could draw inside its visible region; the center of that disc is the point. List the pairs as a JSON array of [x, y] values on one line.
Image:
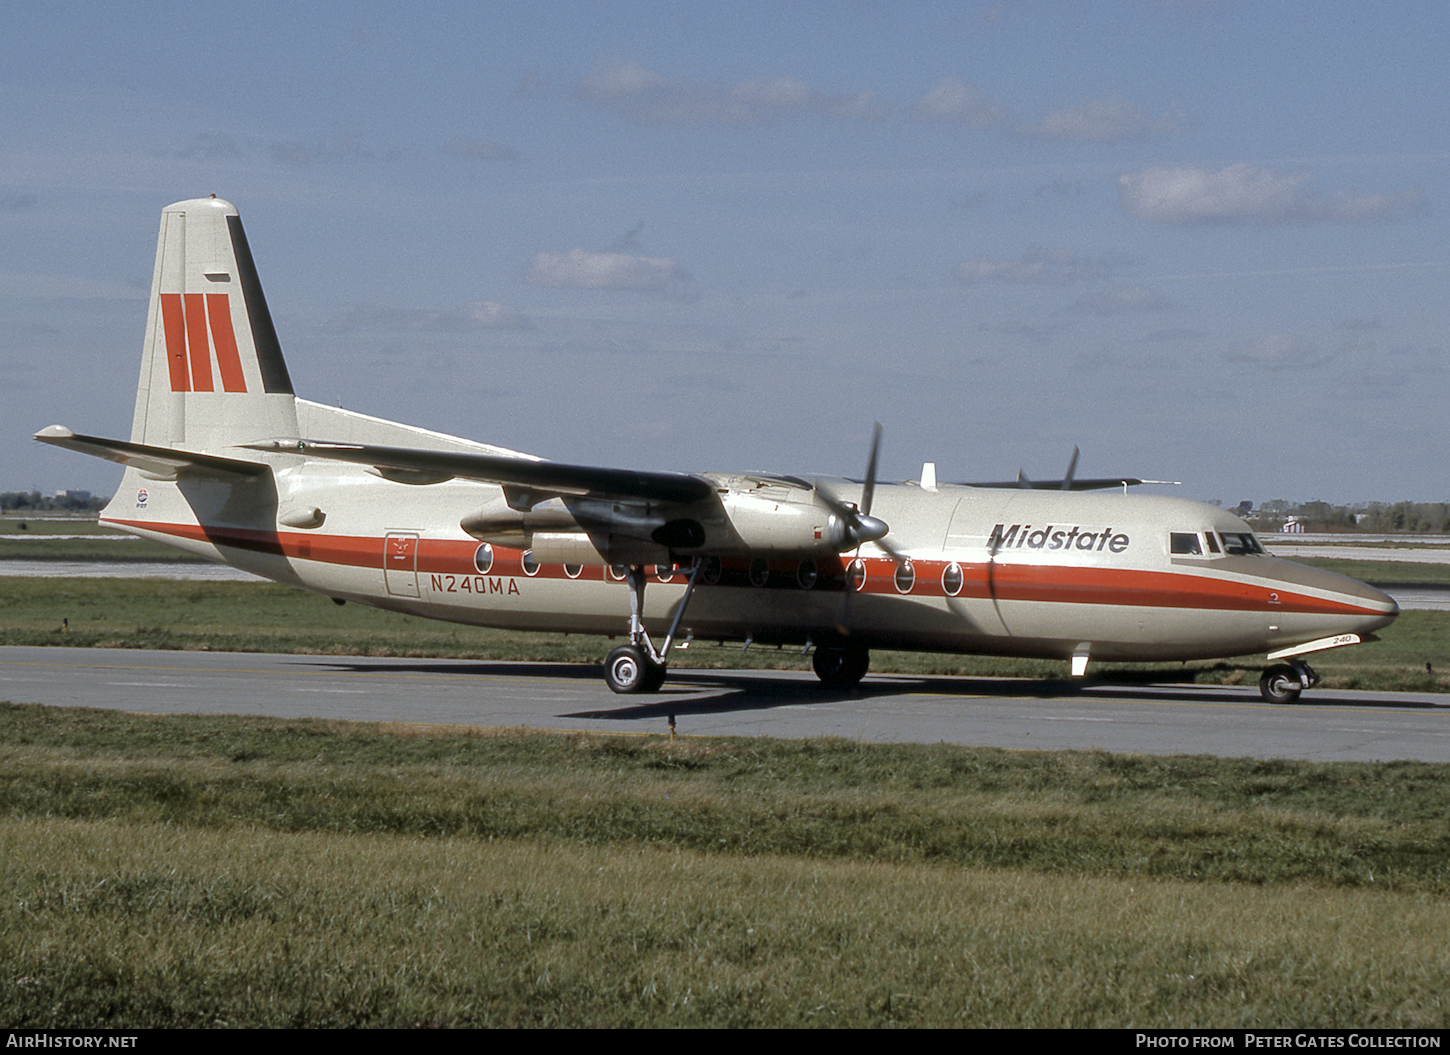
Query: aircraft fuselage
[[1006, 572]]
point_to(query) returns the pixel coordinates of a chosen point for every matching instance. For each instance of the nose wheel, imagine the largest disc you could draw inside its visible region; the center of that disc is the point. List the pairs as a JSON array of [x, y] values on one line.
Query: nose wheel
[[1284, 682]]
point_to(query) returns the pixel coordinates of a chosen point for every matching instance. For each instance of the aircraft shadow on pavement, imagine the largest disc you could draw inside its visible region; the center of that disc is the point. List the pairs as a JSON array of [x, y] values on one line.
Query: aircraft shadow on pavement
[[481, 668], [753, 690], [735, 691]]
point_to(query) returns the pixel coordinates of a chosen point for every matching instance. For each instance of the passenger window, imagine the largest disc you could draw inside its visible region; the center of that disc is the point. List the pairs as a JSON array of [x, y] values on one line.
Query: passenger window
[[1184, 542]]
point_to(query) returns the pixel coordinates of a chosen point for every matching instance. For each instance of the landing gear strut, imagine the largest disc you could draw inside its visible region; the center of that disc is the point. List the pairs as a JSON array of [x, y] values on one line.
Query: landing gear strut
[[1284, 682], [638, 666]]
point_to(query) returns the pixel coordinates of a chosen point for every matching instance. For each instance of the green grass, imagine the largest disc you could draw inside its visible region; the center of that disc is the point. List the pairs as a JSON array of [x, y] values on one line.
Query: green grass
[[52, 524], [34, 541], [1383, 572], [184, 871]]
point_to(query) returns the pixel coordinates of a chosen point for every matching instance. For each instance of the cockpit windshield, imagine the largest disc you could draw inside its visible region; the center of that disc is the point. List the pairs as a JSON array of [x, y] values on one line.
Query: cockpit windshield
[[1240, 543]]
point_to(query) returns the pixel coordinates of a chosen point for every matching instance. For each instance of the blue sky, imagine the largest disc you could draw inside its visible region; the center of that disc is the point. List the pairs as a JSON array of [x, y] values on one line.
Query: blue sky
[[1205, 241]]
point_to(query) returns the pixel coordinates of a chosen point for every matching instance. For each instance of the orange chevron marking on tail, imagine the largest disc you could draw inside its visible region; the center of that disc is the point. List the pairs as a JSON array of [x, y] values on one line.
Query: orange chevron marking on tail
[[174, 324], [196, 342], [187, 320], [229, 363]]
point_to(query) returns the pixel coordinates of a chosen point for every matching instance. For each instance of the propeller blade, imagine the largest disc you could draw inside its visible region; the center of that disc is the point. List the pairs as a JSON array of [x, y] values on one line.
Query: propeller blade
[[1071, 470], [858, 526], [868, 489]]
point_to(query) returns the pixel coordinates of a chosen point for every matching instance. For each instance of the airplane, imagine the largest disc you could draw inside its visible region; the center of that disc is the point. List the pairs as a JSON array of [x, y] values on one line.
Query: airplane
[[226, 462]]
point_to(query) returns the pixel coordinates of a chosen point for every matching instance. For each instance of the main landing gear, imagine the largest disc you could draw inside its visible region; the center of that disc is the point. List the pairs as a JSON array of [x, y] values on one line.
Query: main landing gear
[[638, 666], [630, 668], [1284, 682], [841, 666]]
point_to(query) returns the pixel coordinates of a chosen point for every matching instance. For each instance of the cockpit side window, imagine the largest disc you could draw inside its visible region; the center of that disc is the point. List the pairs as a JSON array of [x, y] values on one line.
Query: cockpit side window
[[1240, 543], [1212, 541], [1184, 543]]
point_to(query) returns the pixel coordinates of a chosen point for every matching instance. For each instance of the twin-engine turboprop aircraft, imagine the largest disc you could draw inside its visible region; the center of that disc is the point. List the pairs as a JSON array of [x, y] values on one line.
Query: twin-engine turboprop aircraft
[[226, 462]]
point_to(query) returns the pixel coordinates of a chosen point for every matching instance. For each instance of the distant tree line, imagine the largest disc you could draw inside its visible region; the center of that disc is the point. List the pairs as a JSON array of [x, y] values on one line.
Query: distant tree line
[[1399, 517], [65, 502]]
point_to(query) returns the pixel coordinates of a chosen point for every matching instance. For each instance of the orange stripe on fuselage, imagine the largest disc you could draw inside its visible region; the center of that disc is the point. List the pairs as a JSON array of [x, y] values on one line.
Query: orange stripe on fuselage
[[1006, 582]]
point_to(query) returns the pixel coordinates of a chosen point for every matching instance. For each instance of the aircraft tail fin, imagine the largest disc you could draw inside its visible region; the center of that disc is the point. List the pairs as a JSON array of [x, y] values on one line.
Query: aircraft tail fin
[[212, 372]]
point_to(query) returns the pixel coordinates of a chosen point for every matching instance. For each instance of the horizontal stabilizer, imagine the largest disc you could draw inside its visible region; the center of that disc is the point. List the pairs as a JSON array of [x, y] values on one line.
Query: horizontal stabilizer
[[539, 479], [160, 463]]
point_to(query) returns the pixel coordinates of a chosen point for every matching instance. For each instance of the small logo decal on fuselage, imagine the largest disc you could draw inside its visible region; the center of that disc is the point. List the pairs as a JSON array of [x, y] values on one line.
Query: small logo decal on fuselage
[[141, 497]]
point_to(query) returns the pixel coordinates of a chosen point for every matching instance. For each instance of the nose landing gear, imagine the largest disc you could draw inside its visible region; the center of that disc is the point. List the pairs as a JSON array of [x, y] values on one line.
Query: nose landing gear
[[1283, 683]]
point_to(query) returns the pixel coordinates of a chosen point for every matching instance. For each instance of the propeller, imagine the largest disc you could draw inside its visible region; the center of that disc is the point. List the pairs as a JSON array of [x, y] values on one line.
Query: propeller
[[1064, 484], [856, 524], [1071, 470]]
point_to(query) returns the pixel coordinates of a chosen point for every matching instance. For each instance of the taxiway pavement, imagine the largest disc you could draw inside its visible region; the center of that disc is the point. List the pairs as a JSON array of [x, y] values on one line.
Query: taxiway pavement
[[1326, 725]]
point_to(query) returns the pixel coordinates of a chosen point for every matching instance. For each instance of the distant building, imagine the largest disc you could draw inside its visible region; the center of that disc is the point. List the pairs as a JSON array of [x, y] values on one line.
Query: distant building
[[1294, 526]]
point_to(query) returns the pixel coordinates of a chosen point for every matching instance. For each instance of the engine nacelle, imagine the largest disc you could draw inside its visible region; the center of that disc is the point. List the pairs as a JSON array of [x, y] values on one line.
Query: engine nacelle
[[594, 531], [765, 526]]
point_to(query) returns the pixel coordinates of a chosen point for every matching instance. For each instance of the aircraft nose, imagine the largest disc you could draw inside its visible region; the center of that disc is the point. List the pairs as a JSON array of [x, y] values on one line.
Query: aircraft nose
[[1390, 608], [1370, 609], [1385, 607]]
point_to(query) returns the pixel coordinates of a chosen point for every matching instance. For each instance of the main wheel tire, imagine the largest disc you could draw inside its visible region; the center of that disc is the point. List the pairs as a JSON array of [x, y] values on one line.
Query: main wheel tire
[[1280, 684], [841, 667], [628, 670], [654, 675]]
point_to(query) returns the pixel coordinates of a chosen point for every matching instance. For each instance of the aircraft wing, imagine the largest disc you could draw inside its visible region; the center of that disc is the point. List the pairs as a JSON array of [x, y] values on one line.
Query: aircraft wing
[[162, 463], [529, 480]]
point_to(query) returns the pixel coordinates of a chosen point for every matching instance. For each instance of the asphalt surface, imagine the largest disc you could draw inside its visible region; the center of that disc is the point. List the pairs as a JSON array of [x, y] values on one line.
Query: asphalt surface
[[1029, 715]]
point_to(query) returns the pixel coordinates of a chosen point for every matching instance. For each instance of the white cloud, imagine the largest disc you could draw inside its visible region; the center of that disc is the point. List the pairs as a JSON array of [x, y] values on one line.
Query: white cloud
[[491, 315], [476, 315], [1103, 121], [642, 96], [1280, 351], [586, 269], [1246, 194], [781, 93], [321, 151], [1120, 299], [954, 101], [1052, 267]]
